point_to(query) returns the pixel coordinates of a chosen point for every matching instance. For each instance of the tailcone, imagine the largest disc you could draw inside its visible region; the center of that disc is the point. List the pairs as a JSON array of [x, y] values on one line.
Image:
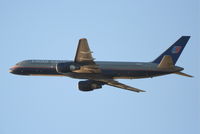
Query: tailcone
[[178, 69]]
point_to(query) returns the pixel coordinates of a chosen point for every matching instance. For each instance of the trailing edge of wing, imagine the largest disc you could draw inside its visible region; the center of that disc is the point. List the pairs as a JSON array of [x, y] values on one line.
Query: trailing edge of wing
[[117, 84]]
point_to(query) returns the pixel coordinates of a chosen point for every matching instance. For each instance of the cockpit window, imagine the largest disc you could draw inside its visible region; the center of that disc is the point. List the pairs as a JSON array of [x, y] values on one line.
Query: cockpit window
[[19, 63]]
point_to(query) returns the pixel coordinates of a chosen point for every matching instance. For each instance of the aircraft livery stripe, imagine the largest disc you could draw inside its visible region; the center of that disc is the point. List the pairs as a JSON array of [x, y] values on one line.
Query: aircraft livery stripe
[[107, 69]]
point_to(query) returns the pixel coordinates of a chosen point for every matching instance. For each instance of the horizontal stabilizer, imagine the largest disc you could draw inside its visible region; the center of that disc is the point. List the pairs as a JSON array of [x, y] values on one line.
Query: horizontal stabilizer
[[183, 74], [166, 62]]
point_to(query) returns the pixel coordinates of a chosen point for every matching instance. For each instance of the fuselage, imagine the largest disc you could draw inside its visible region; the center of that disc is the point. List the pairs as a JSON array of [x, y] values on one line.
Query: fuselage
[[99, 73], [109, 69]]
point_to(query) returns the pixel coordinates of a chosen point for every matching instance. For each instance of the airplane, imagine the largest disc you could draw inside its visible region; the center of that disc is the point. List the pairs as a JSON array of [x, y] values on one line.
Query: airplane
[[99, 73]]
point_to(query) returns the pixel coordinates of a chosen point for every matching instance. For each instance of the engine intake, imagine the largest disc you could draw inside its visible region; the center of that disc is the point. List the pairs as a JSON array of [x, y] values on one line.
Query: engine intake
[[89, 85], [66, 67]]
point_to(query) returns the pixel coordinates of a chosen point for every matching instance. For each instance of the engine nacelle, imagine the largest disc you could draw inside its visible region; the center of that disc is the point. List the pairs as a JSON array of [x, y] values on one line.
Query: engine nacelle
[[89, 85], [66, 67]]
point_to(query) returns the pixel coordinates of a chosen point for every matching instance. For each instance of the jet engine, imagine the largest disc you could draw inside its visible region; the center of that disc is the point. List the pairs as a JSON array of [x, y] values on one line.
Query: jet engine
[[89, 85], [66, 67]]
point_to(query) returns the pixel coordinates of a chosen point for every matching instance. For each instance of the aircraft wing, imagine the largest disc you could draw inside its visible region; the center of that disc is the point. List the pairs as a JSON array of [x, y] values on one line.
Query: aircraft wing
[[84, 55], [117, 84]]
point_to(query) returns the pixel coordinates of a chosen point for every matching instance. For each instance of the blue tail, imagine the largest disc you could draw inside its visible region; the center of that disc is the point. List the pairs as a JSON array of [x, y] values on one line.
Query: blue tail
[[175, 50]]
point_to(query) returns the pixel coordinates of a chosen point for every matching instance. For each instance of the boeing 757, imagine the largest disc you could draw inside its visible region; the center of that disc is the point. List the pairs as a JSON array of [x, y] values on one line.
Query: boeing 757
[[99, 73]]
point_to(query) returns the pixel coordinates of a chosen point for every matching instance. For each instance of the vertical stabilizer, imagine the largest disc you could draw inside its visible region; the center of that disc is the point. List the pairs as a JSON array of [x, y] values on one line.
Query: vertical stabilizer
[[175, 50]]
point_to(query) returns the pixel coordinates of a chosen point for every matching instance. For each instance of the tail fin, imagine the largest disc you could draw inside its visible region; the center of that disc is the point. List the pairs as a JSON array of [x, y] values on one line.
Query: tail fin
[[175, 50]]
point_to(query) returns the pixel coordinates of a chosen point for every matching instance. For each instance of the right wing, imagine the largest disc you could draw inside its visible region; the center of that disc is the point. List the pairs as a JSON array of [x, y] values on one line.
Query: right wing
[[117, 84]]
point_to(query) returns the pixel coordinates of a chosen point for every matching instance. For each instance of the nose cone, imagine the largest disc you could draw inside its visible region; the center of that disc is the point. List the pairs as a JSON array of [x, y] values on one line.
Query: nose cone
[[13, 70], [17, 70]]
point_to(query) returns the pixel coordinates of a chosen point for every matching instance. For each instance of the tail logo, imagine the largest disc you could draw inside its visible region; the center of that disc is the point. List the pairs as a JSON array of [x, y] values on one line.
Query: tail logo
[[176, 49]]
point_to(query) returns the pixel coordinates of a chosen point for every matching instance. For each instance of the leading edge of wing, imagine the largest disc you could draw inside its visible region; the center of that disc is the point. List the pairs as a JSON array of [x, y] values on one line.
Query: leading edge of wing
[[117, 84]]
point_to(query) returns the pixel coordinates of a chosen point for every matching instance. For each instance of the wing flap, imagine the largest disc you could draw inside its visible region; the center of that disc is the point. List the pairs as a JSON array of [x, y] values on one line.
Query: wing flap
[[89, 69]]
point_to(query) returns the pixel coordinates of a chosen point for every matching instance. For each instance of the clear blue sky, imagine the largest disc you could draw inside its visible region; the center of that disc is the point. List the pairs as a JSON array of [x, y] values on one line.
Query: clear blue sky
[[119, 30]]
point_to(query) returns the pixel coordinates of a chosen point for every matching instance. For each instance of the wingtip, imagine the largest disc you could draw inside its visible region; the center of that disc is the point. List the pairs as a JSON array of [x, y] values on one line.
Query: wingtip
[[141, 91], [82, 39]]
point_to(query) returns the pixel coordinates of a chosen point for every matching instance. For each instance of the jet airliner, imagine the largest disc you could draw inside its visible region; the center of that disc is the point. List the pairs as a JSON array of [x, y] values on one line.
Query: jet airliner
[[99, 73]]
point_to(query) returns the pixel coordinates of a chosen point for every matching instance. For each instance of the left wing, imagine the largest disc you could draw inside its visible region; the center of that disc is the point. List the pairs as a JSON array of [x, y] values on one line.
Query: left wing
[[117, 84]]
